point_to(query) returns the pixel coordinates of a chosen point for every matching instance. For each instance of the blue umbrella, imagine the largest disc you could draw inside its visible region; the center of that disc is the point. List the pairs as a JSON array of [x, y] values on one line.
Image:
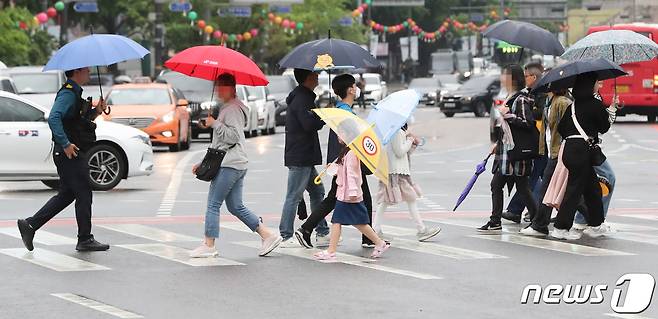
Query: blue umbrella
[[478, 170], [391, 113]]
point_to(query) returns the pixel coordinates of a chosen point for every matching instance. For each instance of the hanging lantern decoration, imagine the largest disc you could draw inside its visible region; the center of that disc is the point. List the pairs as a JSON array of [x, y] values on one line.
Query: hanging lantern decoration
[[271, 16], [42, 17], [192, 15], [254, 32], [201, 24], [59, 6], [300, 25], [285, 24], [246, 36], [209, 29], [51, 12], [278, 20], [238, 37], [217, 35]]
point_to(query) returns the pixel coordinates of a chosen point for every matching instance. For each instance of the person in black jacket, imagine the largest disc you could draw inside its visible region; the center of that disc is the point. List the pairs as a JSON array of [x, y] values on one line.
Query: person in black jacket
[[302, 153], [590, 113]]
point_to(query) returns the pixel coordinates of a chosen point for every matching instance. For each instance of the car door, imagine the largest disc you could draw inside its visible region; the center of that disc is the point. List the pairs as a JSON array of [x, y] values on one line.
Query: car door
[[26, 139]]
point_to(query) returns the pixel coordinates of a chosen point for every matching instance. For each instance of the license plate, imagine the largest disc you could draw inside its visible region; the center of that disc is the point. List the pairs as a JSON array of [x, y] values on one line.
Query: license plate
[[449, 105], [623, 89]]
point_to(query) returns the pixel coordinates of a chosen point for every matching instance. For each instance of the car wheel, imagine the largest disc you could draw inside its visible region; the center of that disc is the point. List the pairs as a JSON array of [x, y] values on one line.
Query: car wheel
[[106, 167], [195, 135], [188, 139], [272, 130], [254, 133], [449, 114], [651, 118], [480, 109], [178, 146], [247, 134], [52, 183]]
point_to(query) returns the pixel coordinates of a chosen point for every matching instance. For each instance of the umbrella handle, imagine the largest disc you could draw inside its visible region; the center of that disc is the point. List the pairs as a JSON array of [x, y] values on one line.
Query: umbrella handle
[[318, 179]]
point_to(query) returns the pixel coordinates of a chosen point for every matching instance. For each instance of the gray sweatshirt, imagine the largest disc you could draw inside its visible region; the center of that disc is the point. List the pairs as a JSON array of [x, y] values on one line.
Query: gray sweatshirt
[[229, 130]]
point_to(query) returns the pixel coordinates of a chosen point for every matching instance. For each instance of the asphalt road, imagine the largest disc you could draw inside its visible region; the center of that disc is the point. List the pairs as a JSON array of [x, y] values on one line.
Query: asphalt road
[[151, 223]]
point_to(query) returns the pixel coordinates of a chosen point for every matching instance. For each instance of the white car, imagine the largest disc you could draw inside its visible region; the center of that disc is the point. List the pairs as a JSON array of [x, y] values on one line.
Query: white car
[[264, 102], [375, 89], [35, 85], [119, 152], [251, 125]]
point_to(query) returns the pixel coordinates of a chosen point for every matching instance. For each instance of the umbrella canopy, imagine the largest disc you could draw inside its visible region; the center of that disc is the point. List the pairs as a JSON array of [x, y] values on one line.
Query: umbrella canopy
[[95, 50], [391, 113], [359, 136], [619, 46], [209, 61], [328, 54], [479, 169], [564, 76], [526, 35]]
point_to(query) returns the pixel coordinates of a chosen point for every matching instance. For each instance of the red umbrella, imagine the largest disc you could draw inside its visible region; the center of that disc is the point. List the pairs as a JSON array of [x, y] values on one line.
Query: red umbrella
[[209, 61]]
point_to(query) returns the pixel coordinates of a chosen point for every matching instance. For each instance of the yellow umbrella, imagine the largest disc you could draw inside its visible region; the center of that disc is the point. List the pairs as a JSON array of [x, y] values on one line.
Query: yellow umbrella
[[359, 136]]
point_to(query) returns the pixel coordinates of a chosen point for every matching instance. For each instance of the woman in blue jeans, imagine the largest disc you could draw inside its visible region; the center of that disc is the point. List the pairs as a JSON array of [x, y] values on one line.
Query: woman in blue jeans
[[227, 186]]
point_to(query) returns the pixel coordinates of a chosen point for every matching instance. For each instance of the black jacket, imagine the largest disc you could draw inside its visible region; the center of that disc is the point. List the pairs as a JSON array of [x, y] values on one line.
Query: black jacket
[[302, 125], [591, 115]]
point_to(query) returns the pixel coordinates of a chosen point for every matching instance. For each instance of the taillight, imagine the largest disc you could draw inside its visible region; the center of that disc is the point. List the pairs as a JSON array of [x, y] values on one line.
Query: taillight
[[655, 84], [498, 102]]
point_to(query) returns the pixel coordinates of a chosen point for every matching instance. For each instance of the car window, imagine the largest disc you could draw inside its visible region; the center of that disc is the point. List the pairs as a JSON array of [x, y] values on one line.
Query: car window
[[256, 91], [280, 85], [141, 96], [241, 94], [372, 80], [36, 83], [5, 85], [479, 83], [16, 111]]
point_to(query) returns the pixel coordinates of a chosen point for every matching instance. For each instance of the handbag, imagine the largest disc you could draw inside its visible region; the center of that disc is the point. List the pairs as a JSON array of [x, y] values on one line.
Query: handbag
[[596, 156], [211, 164], [557, 186]]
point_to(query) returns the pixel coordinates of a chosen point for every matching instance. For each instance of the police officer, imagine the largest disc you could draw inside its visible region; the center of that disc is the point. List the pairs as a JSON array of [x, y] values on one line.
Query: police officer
[[72, 126]]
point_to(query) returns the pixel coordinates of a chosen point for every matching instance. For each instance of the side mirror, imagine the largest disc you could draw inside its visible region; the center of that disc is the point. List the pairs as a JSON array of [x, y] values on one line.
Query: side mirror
[[271, 97], [251, 98], [182, 102]]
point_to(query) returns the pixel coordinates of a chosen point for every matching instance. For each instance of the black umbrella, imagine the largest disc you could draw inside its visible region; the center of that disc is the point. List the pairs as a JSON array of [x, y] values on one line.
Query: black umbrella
[[564, 76], [328, 54], [525, 35]]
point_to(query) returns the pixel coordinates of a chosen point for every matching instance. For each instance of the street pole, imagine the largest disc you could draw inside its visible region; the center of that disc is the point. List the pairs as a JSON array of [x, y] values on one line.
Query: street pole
[[409, 38], [159, 34], [502, 9], [63, 28], [469, 32]]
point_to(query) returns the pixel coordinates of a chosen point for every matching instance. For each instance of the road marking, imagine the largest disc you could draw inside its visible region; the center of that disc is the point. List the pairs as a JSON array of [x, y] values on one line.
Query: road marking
[[433, 248], [344, 259], [630, 227], [636, 237], [96, 305], [179, 255], [41, 237], [625, 316], [52, 260], [132, 200], [424, 172], [628, 200], [167, 204], [553, 245], [148, 232], [645, 217]]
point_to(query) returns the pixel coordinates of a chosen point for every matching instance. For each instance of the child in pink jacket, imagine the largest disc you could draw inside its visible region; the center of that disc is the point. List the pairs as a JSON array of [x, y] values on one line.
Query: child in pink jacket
[[350, 209]]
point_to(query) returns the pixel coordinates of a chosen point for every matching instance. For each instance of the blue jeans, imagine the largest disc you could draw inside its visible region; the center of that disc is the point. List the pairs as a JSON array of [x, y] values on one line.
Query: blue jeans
[[227, 185], [605, 170], [301, 178], [516, 204]]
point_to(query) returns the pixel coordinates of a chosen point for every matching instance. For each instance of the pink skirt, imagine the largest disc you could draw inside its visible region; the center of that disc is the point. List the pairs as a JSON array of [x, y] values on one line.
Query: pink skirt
[[558, 185], [400, 188]]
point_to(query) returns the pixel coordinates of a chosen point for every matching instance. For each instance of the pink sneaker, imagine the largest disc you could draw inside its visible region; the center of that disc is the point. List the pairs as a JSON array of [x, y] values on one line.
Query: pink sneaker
[[379, 250], [325, 256]]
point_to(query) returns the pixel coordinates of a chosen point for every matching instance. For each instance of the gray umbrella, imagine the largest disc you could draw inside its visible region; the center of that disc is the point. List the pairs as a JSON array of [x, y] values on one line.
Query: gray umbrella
[[525, 35], [620, 46]]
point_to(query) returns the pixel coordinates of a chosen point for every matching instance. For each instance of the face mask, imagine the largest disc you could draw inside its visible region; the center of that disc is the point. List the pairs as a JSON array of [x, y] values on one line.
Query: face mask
[[357, 92]]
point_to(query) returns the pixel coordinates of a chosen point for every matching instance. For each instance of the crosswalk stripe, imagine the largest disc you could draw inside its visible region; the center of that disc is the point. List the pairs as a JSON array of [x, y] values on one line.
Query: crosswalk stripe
[[179, 255], [52, 260], [645, 217], [98, 306], [41, 237], [630, 227], [553, 245], [344, 259], [637, 237], [149, 232], [433, 248], [625, 316]]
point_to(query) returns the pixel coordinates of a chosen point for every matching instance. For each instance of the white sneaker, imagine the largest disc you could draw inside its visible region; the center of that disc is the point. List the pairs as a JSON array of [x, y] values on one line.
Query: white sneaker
[[270, 244], [577, 226], [290, 243], [204, 251], [565, 234], [428, 233], [529, 231], [598, 231]]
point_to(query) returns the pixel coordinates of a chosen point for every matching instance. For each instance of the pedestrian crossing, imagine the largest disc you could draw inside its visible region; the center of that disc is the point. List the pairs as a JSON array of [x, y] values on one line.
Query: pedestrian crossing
[[173, 247]]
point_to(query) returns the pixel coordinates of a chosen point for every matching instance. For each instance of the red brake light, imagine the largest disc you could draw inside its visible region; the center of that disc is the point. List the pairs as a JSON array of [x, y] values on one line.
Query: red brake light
[[498, 102]]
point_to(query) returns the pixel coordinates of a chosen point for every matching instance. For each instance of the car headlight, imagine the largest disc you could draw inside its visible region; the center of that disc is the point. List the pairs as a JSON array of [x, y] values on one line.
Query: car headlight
[[208, 105], [144, 139], [467, 98], [432, 94], [168, 117]]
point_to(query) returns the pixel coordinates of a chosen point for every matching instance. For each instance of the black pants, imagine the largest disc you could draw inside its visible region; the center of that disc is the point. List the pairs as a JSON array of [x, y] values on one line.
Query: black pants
[[522, 187], [543, 217], [329, 203], [73, 185], [583, 183], [362, 101]]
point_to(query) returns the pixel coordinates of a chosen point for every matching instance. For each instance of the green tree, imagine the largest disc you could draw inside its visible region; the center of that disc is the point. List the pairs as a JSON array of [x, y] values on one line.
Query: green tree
[[22, 47], [125, 17]]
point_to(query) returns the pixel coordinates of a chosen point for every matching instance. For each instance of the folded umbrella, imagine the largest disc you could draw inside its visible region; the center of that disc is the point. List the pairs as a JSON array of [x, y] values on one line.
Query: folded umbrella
[[564, 76], [479, 169], [526, 35], [391, 113]]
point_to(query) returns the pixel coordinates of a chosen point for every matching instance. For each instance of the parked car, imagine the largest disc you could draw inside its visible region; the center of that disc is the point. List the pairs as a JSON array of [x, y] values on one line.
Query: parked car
[[475, 95], [251, 124], [279, 87], [447, 83], [259, 96], [427, 88], [119, 152], [375, 89], [154, 108], [7, 85], [35, 85]]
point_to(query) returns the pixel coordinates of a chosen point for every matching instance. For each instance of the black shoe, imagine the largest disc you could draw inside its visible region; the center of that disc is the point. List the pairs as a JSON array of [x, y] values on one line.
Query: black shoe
[[367, 243], [489, 226], [512, 217], [91, 245], [527, 218], [553, 220], [304, 237], [27, 233]]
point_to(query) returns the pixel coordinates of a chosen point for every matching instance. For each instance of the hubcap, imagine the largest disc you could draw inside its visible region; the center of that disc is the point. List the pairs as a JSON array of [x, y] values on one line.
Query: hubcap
[[104, 167]]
